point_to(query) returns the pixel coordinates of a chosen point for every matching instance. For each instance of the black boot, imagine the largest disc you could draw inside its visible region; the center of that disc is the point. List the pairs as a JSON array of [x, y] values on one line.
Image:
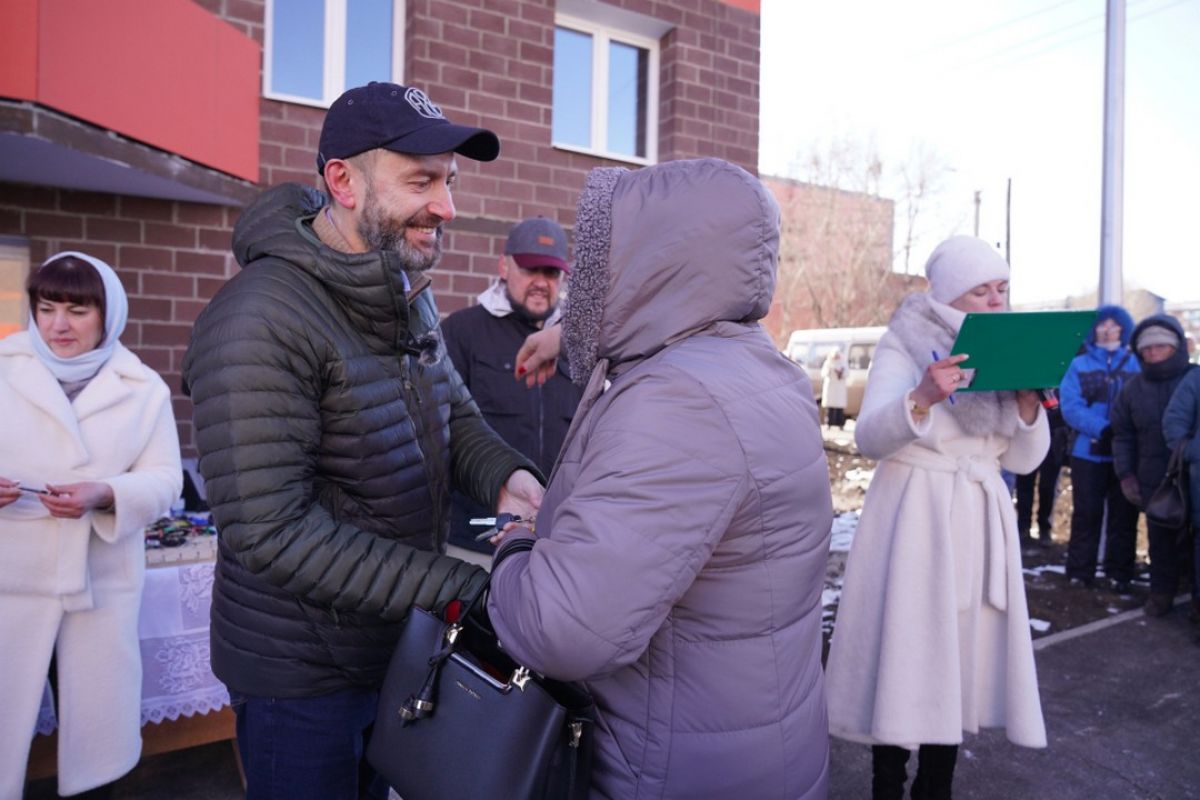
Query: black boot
[[887, 772], [935, 772]]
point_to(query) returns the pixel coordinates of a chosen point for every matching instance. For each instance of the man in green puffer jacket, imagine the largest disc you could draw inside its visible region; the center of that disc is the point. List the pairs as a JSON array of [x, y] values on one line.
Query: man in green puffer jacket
[[331, 427]]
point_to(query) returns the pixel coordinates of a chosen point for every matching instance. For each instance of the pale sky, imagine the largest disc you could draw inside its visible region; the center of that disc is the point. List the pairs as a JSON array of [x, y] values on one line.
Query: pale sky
[[1006, 90]]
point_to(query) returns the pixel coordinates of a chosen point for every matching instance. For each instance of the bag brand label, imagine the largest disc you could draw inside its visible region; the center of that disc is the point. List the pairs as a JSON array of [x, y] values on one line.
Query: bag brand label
[[468, 690]]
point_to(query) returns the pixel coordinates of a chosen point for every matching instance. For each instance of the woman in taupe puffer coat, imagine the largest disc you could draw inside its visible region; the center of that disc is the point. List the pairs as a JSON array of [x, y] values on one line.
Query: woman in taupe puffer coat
[[681, 545]]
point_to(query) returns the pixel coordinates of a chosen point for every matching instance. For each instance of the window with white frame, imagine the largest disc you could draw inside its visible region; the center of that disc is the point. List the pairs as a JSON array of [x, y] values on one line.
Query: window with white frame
[[605, 91], [307, 58]]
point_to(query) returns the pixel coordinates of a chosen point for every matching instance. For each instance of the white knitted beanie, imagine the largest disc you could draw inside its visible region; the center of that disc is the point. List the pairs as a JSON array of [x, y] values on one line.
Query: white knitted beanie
[[959, 264]]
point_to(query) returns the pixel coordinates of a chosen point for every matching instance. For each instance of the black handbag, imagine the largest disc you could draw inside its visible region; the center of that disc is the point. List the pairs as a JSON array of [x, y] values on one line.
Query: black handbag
[[458, 718], [1168, 506]]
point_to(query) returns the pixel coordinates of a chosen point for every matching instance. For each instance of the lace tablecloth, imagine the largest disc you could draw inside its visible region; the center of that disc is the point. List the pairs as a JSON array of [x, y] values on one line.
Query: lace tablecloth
[[173, 628]]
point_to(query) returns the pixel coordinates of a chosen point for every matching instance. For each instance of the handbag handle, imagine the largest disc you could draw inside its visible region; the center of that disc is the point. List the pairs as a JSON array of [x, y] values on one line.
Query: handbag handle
[[420, 704], [1175, 462]]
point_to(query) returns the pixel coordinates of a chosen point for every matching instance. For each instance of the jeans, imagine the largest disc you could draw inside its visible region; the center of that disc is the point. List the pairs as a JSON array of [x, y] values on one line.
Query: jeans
[[1095, 487], [308, 748]]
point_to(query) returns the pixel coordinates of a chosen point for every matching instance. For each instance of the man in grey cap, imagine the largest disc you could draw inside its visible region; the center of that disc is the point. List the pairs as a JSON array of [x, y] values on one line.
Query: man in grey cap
[[331, 427], [483, 341]]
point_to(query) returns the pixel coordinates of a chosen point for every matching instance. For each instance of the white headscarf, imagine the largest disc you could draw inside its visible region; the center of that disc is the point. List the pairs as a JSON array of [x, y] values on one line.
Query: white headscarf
[[116, 312]]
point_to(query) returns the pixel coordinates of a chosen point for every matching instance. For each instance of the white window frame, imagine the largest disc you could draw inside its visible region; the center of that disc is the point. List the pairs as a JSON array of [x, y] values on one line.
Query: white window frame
[[602, 35], [335, 52]]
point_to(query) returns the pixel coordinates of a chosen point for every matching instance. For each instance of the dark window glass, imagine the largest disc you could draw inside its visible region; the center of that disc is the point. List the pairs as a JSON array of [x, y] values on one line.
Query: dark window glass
[[860, 356], [627, 84]]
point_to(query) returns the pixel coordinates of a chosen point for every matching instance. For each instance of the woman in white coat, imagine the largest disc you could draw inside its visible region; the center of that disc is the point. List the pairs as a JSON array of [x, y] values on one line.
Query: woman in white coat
[[833, 389], [89, 455], [932, 635]]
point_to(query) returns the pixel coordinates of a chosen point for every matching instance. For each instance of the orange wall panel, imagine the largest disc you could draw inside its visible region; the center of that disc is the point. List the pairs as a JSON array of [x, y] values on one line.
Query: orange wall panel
[[754, 6], [18, 55], [167, 73]]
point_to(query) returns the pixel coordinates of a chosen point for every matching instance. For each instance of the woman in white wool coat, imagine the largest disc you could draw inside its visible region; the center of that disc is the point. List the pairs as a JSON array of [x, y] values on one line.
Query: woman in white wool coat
[[833, 389], [932, 635], [83, 420]]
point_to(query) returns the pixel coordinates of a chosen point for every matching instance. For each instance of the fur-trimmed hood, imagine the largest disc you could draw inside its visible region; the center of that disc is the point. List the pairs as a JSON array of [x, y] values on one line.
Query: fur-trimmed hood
[[664, 252], [924, 327], [1118, 315]]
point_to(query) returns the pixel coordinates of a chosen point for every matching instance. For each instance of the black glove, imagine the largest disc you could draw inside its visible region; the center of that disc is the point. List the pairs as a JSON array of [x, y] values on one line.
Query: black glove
[[1131, 490], [1102, 446]]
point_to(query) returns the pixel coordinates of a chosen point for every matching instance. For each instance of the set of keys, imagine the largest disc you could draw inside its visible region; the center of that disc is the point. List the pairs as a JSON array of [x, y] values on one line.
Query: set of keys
[[497, 524]]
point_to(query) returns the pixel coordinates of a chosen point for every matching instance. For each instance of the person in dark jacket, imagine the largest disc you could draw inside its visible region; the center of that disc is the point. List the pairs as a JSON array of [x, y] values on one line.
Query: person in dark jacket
[[331, 426], [1140, 452], [1088, 390], [483, 341], [1180, 423]]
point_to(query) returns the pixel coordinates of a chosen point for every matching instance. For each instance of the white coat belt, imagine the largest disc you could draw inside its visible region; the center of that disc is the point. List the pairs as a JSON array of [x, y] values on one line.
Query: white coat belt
[[986, 473]]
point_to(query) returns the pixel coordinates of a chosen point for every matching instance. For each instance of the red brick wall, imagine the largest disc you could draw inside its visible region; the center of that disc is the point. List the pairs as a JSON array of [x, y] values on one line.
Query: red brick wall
[[486, 62], [171, 258], [490, 62]]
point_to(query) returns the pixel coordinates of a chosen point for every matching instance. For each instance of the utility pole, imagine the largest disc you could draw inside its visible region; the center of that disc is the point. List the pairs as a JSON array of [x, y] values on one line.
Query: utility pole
[[977, 201], [1008, 223], [1113, 201]]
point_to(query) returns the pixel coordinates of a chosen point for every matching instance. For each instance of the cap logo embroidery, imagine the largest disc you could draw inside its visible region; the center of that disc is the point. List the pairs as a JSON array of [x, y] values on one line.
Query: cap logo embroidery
[[546, 241], [422, 104]]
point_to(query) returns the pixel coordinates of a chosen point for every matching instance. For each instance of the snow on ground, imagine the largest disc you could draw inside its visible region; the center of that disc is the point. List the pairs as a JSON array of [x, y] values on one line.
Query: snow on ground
[[859, 477], [844, 525]]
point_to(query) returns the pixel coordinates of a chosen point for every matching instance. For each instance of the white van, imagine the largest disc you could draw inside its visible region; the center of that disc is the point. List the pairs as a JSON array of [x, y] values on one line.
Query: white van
[[809, 348]]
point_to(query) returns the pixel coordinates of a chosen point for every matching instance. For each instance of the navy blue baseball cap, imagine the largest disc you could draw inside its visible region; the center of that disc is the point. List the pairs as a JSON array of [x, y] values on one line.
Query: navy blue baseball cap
[[398, 118]]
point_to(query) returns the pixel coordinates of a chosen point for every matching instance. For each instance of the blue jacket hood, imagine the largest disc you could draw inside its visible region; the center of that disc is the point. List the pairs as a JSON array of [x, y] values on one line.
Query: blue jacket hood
[[1118, 315]]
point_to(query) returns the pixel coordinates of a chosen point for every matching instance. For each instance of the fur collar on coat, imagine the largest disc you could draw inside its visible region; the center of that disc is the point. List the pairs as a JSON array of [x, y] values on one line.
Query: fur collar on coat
[[922, 331]]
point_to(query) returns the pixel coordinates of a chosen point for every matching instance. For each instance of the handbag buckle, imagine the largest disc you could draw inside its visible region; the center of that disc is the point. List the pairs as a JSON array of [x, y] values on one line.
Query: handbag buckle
[[452, 632], [520, 677], [415, 708]]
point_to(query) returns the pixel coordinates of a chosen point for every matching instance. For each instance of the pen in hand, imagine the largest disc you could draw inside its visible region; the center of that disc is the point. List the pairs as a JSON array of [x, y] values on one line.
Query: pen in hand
[[936, 357]]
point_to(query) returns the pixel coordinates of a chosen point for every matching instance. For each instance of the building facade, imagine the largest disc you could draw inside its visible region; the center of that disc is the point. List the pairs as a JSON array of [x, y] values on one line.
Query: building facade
[[836, 259], [137, 131]]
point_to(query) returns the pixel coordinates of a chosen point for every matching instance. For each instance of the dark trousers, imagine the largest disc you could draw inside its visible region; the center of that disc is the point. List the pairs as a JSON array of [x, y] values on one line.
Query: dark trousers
[[104, 792], [1168, 555], [309, 748], [935, 772], [1195, 537], [1046, 479], [1095, 488], [835, 417]]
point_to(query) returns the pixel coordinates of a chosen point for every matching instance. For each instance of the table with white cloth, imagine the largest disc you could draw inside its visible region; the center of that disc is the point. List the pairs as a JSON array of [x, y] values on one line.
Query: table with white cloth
[[183, 703]]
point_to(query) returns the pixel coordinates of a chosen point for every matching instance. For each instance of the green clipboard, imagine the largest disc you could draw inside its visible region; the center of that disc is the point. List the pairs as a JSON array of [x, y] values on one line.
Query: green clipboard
[[1021, 349]]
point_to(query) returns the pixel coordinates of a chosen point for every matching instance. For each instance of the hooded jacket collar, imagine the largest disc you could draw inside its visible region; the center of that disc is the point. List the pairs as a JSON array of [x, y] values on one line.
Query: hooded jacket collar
[[369, 287], [1178, 363], [663, 253]]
